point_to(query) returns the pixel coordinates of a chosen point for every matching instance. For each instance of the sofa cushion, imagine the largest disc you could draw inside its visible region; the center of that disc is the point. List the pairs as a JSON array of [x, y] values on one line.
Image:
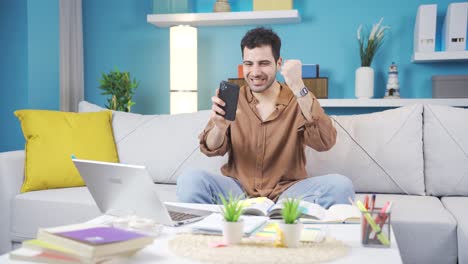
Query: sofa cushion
[[380, 152], [48, 208], [446, 150], [53, 136], [165, 144], [457, 207], [425, 231]]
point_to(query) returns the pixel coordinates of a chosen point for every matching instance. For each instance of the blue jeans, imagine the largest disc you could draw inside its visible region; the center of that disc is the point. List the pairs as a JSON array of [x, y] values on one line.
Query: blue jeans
[[198, 186]]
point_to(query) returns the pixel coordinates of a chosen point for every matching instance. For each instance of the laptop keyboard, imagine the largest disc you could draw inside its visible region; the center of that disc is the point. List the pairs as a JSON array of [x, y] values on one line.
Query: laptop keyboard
[[176, 216]]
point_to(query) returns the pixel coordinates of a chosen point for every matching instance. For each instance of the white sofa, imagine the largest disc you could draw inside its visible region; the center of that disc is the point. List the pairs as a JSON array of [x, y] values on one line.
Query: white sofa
[[416, 156]]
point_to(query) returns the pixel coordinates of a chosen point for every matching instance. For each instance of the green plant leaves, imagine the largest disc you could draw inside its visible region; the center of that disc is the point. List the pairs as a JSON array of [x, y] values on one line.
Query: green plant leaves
[[121, 89], [291, 210], [232, 207]]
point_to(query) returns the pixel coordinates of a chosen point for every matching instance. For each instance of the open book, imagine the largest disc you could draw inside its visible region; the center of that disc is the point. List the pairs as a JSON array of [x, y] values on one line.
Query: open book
[[311, 213]]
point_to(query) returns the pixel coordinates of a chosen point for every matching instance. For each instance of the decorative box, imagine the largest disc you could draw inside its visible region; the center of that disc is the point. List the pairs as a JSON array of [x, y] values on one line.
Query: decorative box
[[172, 6], [318, 86], [240, 71], [310, 70], [450, 86], [262, 5]]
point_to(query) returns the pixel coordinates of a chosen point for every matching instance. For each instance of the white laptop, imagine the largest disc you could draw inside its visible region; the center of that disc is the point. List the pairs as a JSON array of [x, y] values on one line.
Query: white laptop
[[121, 188]]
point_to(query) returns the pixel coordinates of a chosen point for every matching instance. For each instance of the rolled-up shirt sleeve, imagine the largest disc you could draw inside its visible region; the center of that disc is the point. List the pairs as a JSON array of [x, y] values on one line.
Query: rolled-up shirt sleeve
[[319, 133], [215, 152]]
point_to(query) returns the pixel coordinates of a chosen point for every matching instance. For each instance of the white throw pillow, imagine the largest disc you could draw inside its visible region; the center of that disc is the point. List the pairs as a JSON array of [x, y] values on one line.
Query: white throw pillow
[[166, 144], [380, 152], [446, 150]]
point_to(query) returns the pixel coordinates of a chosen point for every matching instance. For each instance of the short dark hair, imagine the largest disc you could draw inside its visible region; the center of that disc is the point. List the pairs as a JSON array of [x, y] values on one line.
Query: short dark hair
[[261, 36]]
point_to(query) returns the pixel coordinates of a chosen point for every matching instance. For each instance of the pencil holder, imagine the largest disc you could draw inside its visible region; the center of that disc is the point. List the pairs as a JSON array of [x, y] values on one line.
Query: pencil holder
[[375, 228]]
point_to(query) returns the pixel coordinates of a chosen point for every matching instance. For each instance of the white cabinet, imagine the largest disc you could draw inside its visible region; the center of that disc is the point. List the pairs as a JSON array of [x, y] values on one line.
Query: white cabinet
[[439, 56]]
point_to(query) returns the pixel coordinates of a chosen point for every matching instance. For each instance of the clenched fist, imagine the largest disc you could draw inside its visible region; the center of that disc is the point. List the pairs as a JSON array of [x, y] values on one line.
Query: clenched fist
[[292, 73]]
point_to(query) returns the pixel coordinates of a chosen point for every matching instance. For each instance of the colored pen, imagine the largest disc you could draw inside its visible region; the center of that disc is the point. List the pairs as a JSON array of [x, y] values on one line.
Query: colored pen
[[364, 222], [381, 217], [366, 202], [389, 208], [372, 206]]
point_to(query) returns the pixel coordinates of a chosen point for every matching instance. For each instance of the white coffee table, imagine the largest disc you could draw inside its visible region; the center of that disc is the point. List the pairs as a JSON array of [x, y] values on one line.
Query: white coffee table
[[348, 233]]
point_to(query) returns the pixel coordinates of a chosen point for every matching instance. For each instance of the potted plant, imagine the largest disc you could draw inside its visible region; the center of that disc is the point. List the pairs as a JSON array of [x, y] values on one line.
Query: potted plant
[[121, 88], [369, 44], [233, 226], [291, 227]]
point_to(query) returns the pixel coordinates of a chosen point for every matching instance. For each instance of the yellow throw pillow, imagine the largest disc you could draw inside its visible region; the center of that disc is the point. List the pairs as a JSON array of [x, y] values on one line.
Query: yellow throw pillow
[[52, 137]]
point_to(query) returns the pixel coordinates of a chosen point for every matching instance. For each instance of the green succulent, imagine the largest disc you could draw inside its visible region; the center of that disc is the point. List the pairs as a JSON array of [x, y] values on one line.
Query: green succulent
[[121, 88], [232, 206], [291, 210]]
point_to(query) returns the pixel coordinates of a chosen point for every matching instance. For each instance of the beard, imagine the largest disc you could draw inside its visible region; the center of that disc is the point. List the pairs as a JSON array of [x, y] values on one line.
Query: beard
[[259, 84]]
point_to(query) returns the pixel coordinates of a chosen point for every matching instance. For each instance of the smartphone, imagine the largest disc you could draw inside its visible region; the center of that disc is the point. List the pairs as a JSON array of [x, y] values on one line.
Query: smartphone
[[229, 93]]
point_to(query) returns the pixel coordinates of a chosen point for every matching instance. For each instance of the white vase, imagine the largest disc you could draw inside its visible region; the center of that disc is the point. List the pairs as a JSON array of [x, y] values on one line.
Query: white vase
[[233, 232], [292, 234], [364, 83]]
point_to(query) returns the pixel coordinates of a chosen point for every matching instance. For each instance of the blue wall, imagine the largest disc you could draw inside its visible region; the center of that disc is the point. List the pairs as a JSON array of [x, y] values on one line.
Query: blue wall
[[43, 54], [116, 34], [29, 63], [13, 70]]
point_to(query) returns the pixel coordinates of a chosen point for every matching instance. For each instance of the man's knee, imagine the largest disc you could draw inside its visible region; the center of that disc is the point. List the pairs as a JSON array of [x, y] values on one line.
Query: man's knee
[[189, 183], [342, 188], [192, 178]]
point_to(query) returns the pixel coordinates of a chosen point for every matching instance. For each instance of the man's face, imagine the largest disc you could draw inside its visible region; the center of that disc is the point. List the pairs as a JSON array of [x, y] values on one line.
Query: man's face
[[260, 68]]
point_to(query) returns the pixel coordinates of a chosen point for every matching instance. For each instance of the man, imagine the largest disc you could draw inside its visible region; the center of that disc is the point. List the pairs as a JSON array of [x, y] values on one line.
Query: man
[[266, 142]]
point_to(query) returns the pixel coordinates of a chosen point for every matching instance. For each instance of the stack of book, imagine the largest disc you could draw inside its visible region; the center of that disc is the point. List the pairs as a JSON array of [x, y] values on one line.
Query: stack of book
[[81, 244]]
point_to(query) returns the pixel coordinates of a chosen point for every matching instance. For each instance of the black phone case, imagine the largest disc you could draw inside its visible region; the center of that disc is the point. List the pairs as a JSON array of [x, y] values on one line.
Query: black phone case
[[229, 93]]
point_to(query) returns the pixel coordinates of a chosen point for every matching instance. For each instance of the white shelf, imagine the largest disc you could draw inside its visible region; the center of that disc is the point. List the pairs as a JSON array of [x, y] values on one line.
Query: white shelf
[[421, 57], [225, 18], [391, 102]]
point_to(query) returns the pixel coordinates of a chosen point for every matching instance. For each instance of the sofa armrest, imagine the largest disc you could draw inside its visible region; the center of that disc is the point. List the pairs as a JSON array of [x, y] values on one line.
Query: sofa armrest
[[11, 179]]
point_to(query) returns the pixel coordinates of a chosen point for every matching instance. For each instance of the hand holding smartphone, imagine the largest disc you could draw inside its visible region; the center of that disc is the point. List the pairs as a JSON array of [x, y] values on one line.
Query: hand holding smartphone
[[229, 93]]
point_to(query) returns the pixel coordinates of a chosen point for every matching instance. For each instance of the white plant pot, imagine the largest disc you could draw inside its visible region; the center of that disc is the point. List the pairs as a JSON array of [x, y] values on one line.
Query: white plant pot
[[364, 83], [292, 234], [233, 232]]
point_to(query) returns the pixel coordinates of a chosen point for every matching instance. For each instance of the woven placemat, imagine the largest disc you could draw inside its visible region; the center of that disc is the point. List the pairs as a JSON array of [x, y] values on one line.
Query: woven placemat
[[195, 246]]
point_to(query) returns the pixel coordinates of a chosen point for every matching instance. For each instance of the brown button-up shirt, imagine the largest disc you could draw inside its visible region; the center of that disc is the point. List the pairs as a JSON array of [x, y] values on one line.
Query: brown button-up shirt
[[267, 157]]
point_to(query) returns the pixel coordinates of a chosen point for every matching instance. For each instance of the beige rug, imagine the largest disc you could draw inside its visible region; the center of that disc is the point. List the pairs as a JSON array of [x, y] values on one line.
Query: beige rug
[[196, 247]]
